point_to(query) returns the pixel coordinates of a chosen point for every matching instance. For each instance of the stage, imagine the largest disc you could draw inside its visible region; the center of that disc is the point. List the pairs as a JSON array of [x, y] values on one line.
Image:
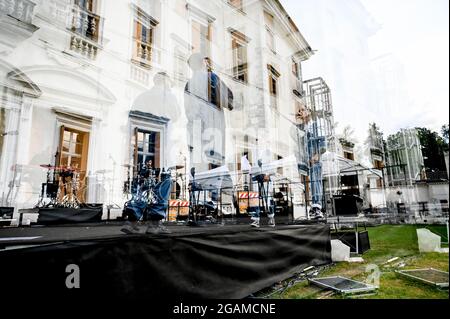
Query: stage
[[210, 262]]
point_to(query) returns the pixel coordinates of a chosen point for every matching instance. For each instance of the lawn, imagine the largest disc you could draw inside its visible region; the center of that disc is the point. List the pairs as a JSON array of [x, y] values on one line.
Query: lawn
[[386, 242]]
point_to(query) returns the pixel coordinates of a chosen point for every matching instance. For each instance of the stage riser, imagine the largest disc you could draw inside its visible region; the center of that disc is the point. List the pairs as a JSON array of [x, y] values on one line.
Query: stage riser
[[230, 265], [61, 216]]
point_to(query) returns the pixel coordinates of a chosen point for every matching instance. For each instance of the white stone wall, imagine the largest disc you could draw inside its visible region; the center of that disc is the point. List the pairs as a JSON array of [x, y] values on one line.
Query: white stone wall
[[103, 89]]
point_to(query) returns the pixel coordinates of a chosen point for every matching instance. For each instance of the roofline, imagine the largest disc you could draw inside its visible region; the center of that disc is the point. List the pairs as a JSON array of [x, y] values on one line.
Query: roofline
[[305, 50]]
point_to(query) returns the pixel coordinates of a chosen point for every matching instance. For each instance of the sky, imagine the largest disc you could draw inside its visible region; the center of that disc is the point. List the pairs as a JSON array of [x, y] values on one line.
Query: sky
[[415, 33]]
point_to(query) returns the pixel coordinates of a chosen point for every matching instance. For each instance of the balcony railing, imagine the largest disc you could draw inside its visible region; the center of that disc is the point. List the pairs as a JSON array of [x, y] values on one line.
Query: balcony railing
[[87, 32], [86, 24], [139, 74], [145, 54], [84, 47], [19, 9]]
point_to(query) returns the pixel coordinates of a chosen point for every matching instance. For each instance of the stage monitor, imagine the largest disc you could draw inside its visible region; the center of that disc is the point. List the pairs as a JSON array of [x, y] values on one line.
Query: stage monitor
[[6, 214], [347, 205]]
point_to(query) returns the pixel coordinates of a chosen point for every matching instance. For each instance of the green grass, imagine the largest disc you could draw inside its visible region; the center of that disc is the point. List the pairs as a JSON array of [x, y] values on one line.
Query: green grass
[[386, 242]]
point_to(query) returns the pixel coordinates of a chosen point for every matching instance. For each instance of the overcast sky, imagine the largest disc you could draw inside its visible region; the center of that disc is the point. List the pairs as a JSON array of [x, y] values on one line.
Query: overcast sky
[[416, 32]]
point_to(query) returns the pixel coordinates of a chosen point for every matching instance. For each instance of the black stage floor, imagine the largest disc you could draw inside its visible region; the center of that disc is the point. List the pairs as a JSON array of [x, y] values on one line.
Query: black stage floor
[[220, 261], [38, 235]]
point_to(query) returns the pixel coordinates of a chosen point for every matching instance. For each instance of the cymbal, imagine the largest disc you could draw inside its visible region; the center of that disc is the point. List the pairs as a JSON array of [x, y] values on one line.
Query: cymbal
[[128, 165]]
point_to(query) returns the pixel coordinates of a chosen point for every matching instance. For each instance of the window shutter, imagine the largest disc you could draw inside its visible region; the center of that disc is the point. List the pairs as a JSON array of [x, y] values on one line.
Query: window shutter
[[60, 146]]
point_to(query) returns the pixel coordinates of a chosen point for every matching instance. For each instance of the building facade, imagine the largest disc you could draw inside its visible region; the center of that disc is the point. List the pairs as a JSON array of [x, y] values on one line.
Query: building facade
[[71, 72]]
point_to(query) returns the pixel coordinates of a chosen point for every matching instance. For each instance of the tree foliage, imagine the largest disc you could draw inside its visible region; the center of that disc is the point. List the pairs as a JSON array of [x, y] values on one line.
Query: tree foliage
[[433, 148]]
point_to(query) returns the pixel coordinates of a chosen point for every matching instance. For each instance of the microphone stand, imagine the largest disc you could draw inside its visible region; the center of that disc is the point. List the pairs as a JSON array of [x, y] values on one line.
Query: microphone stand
[[111, 190], [192, 201]]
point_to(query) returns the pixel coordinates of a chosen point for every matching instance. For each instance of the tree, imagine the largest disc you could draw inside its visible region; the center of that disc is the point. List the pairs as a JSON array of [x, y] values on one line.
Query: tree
[[433, 147], [347, 137], [445, 133]]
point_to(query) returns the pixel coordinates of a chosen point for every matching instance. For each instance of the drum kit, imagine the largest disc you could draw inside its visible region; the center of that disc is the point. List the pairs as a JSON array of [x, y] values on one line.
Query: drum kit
[[144, 189], [64, 187], [142, 178]]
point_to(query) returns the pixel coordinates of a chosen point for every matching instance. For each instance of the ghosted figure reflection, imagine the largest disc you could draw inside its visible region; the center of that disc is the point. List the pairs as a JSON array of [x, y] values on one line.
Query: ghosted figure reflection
[[161, 101], [152, 187], [206, 98]]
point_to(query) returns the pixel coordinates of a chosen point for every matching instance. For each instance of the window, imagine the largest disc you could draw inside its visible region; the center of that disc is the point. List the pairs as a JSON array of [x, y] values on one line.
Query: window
[[273, 86], [273, 80], [270, 40], [73, 148], [379, 183], [349, 156], [89, 5], [239, 49], [295, 69], [270, 37], [201, 36], [73, 153], [268, 19], [144, 27], [378, 164], [146, 146], [236, 3], [84, 20]]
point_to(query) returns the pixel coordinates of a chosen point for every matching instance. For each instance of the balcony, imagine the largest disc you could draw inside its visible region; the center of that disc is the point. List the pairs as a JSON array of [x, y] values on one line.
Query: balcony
[[84, 47], [19, 9], [140, 75], [297, 86], [15, 23], [146, 55], [86, 28]]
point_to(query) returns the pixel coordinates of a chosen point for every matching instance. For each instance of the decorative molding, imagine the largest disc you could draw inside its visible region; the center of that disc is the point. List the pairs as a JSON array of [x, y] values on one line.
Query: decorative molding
[[199, 13], [103, 94], [13, 32], [17, 80], [153, 22], [239, 35], [86, 121], [149, 117]]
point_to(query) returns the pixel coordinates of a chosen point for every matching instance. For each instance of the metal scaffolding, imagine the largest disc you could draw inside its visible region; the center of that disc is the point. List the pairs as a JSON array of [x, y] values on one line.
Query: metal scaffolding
[[320, 133]]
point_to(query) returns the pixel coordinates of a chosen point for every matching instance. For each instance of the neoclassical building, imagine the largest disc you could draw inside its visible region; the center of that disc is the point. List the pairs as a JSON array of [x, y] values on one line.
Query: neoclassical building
[[71, 70]]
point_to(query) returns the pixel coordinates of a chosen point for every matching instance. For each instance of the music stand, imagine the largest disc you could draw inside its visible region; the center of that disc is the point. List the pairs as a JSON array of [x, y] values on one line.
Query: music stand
[[192, 219], [263, 189]]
